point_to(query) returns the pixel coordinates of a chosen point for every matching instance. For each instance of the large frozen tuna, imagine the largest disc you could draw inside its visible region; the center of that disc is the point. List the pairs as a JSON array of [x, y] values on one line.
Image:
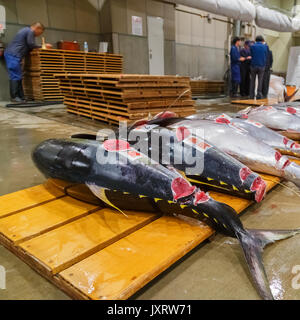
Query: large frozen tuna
[[239, 144]]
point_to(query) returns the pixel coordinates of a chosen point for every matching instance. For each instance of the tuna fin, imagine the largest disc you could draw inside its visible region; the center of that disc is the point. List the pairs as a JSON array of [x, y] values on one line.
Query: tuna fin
[[100, 193], [253, 242]]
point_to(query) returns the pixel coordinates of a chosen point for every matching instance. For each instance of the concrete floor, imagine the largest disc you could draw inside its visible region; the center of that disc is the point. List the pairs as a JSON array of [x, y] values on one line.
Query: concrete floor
[[215, 270]]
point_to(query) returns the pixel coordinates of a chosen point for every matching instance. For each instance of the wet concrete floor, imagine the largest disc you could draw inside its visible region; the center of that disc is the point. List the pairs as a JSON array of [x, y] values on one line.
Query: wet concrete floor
[[215, 270]]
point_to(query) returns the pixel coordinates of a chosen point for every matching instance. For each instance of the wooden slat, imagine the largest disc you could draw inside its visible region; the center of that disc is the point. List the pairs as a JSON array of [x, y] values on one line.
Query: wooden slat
[[265, 102], [32, 222], [64, 246], [119, 270], [28, 198]]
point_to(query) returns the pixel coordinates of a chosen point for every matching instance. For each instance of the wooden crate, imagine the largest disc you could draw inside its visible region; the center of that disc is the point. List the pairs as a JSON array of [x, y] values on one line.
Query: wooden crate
[[39, 82], [118, 97], [202, 87], [95, 253]]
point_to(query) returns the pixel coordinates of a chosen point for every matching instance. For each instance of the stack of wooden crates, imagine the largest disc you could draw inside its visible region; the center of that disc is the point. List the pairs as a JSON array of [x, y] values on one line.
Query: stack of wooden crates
[[41, 65], [205, 87], [125, 97]]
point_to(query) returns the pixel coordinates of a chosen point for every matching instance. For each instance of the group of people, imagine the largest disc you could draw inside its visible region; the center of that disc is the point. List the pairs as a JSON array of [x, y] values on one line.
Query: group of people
[[254, 60]]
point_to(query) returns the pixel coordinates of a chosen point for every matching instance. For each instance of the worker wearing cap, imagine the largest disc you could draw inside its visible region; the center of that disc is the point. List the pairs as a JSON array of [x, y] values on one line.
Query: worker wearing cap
[[21, 45]]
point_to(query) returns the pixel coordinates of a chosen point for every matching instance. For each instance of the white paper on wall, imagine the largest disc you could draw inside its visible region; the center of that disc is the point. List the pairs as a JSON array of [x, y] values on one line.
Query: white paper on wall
[[2, 19], [137, 26]]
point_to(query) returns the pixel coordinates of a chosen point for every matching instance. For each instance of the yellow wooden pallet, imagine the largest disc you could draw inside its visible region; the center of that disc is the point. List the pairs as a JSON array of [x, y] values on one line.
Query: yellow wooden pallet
[[95, 253], [265, 102]]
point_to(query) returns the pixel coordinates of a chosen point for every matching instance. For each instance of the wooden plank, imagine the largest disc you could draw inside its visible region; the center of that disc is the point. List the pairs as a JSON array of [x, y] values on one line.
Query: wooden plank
[[61, 248], [119, 270], [291, 135], [261, 102], [28, 198], [29, 223]]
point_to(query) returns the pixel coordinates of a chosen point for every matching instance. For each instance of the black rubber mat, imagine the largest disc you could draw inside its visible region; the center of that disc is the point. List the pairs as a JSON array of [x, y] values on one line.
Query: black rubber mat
[[33, 104]]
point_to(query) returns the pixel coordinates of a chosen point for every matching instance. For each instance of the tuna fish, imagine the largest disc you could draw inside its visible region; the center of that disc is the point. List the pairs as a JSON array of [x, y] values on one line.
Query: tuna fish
[[94, 164], [270, 137], [276, 119], [288, 109], [217, 170], [250, 151]]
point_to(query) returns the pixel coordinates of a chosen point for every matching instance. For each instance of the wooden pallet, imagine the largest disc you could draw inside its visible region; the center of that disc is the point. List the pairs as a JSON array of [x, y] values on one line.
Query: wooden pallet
[[42, 64], [118, 97], [95, 253], [201, 87], [265, 102]]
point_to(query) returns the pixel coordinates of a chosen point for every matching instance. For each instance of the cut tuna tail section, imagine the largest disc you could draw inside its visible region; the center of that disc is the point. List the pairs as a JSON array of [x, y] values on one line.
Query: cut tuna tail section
[[253, 242]]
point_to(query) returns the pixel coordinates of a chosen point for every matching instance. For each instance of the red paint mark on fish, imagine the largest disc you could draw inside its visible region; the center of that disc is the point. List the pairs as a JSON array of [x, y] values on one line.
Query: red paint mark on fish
[[166, 115], [291, 110], [255, 123], [224, 118], [245, 173], [268, 109], [260, 188], [182, 133], [198, 143], [296, 146], [201, 197], [245, 116], [134, 154], [116, 145], [285, 141], [278, 156], [286, 164], [182, 188]]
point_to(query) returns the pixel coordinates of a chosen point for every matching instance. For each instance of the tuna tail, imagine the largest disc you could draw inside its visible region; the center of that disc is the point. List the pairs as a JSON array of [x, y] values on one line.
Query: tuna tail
[[253, 242]]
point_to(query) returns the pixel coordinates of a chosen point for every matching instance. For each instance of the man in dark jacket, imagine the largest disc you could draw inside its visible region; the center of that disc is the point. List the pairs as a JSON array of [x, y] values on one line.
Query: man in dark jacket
[[245, 70], [236, 60], [259, 53], [267, 74], [21, 45]]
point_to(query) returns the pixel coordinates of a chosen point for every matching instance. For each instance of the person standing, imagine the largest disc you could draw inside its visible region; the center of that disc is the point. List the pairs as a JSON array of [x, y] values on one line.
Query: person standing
[[245, 70], [267, 74], [259, 53], [21, 45], [236, 60]]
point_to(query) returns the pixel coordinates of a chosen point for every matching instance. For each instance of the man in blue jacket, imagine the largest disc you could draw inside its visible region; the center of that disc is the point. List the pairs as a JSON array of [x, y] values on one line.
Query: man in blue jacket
[[236, 59], [21, 45], [259, 53]]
